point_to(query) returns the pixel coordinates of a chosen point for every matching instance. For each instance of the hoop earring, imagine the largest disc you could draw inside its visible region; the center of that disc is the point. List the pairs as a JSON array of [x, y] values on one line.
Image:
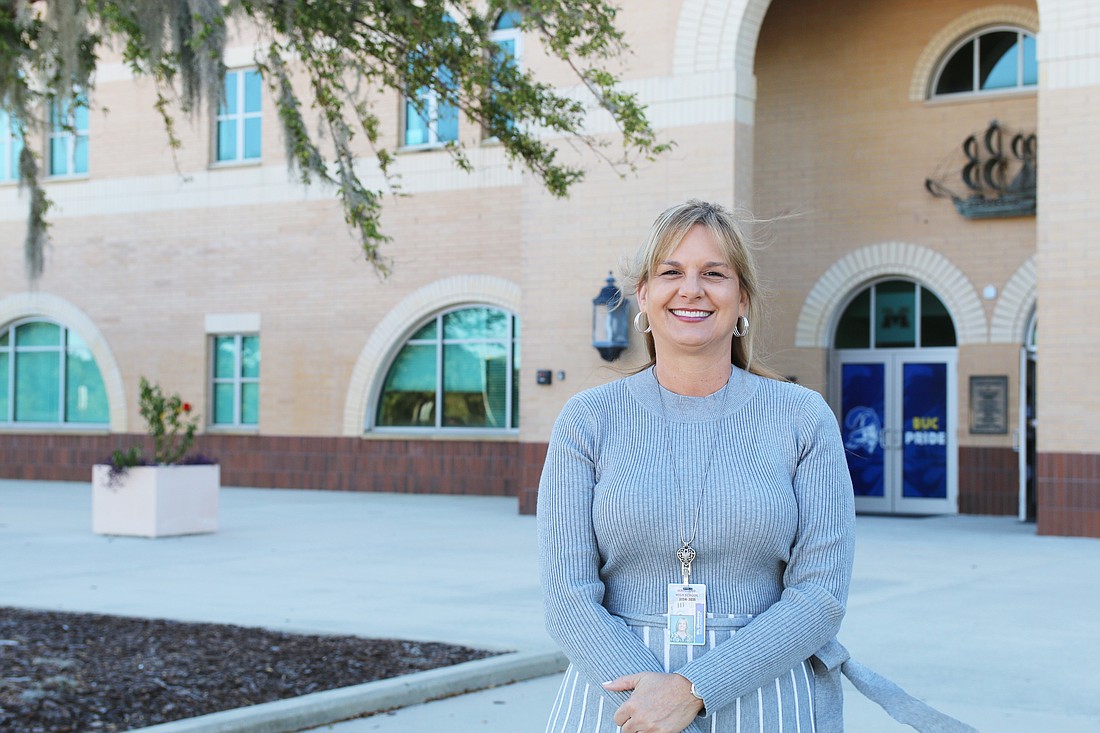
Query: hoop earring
[[638, 325], [738, 329]]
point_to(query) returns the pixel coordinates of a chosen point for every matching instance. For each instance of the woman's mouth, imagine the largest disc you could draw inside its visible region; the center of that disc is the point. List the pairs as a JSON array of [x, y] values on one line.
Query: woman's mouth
[[691, 315]]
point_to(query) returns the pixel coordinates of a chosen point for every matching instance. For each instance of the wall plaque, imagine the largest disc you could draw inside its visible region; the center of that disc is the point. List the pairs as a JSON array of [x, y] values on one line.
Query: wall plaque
[[989, 405]]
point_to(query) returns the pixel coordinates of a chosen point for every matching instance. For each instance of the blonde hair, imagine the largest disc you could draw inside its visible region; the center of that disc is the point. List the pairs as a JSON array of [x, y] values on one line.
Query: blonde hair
[[665, 236]]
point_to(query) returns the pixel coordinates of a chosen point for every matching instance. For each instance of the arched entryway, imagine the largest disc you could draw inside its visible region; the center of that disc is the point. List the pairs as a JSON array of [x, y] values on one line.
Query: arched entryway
[[894, 388]]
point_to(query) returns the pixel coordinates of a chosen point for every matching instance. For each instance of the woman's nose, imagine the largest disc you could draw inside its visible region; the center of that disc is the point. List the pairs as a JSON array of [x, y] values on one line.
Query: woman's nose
[[691, 285]]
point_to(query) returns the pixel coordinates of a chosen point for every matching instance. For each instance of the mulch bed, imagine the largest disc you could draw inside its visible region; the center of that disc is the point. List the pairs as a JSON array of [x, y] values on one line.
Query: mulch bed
[[79, 672]]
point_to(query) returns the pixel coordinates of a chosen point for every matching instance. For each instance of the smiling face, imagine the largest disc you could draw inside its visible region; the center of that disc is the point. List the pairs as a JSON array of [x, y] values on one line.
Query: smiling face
[[693, 298]]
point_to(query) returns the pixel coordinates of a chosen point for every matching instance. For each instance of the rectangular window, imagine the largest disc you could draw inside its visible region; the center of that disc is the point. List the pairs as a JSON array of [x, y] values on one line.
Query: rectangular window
[[509, 42], [235, 381], [68, 138], [429, 119], [11, 145], [238, 124]]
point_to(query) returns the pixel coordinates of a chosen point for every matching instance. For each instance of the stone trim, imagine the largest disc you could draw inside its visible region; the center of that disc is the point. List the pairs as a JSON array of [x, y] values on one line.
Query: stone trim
[[1014, 307], [392, 331], [921, 81], [44, 305], [899, 259]]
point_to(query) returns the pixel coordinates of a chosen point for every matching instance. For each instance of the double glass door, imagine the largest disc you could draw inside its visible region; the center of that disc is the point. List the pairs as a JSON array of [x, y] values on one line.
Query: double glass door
[[897, 411]]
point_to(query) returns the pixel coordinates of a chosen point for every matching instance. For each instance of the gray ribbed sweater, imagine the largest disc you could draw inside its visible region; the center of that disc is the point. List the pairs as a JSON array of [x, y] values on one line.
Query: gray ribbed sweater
[[775, 535]]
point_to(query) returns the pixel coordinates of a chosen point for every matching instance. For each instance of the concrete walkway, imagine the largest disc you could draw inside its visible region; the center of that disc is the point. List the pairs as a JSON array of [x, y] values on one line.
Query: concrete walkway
[[975, 615]]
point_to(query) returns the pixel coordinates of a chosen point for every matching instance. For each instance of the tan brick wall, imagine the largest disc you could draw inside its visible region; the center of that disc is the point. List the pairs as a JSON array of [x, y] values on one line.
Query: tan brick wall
[[841, 157]]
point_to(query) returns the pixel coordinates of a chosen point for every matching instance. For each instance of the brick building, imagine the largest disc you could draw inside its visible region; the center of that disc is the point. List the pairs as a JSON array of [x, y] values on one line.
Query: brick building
[[914, 314]]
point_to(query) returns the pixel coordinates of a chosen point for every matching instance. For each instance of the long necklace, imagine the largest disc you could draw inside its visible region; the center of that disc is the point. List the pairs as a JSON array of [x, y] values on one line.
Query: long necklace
[[687, 554]]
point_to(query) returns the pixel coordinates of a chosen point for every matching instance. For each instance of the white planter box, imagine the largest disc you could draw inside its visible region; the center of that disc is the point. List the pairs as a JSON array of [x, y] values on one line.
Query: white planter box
[[156, 501]]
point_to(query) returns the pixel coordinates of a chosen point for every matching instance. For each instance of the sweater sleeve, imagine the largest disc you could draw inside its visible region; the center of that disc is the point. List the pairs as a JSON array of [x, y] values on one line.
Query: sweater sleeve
[[598, 644], [816, 579]]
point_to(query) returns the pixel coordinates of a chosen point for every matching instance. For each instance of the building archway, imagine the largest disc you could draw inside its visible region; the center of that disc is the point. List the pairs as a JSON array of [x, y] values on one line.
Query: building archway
[[44, 305], [393, 330], [894, 388]]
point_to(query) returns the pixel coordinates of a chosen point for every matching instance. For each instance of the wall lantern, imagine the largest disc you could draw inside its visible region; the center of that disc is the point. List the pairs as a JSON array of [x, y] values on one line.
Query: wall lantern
[[610, 321]]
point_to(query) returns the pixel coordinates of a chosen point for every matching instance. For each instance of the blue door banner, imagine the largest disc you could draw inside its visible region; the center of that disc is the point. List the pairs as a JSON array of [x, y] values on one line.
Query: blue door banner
[[863, 394], [924, 431]]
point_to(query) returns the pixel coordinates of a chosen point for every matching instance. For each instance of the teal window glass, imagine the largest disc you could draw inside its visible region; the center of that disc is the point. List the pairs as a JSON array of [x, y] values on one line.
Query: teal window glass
[[250, 357], [235, 388], [854, 329], [250, 403], [416, 124], [508, 19], [223, 404], [408, 394], [227, 140], [225, 357], [239, 123], [457, 371], [37, 386], [11, 145], [992, 60], [474, 382], [68, 138], [85, 395], [999, 61], [895, 314], [39, 333], [906, 315]]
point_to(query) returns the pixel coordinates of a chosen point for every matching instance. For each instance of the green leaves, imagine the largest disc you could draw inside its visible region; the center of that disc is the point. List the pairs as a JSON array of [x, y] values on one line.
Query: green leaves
[[169, 420], [325, 63]]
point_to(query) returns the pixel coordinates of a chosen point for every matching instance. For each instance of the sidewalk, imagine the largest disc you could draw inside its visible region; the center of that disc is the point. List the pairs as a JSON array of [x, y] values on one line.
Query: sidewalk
[[975, 615]]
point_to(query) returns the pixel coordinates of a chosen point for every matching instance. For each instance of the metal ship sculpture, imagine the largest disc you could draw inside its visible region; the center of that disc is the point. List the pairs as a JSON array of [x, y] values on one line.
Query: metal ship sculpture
[[998, 175]]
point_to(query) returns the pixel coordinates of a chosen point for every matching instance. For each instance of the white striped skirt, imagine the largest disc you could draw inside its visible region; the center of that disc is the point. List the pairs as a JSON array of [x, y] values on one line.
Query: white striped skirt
[[785, 705]]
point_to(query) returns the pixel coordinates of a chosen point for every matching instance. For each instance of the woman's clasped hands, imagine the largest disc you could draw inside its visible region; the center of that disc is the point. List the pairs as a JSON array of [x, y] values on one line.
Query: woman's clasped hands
[[659, 703]]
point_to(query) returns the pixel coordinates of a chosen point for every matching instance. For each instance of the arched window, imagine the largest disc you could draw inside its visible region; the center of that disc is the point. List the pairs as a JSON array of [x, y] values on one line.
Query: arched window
[[895, 314], [48, 376], [458, 370], [997, 59]]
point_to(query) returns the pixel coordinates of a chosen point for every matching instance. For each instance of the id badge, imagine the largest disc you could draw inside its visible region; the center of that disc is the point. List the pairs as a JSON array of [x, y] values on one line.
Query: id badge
[[687, 613]]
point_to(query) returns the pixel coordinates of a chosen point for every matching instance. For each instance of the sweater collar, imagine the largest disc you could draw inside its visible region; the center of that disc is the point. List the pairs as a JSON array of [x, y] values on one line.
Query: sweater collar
[[644, 388]]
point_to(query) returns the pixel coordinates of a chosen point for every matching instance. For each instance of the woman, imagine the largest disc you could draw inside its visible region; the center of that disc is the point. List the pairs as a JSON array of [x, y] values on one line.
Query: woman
[[704, 481]]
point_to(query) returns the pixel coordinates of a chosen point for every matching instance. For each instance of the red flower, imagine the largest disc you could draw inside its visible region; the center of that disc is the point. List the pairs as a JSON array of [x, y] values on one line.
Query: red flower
[[187, 407]]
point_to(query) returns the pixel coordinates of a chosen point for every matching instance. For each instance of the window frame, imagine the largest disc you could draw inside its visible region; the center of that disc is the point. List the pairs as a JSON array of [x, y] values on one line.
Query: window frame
[[975, 92], [431, 111], [8, 421], [238, 119], [238, 380], [55, 132], [438, 429]]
